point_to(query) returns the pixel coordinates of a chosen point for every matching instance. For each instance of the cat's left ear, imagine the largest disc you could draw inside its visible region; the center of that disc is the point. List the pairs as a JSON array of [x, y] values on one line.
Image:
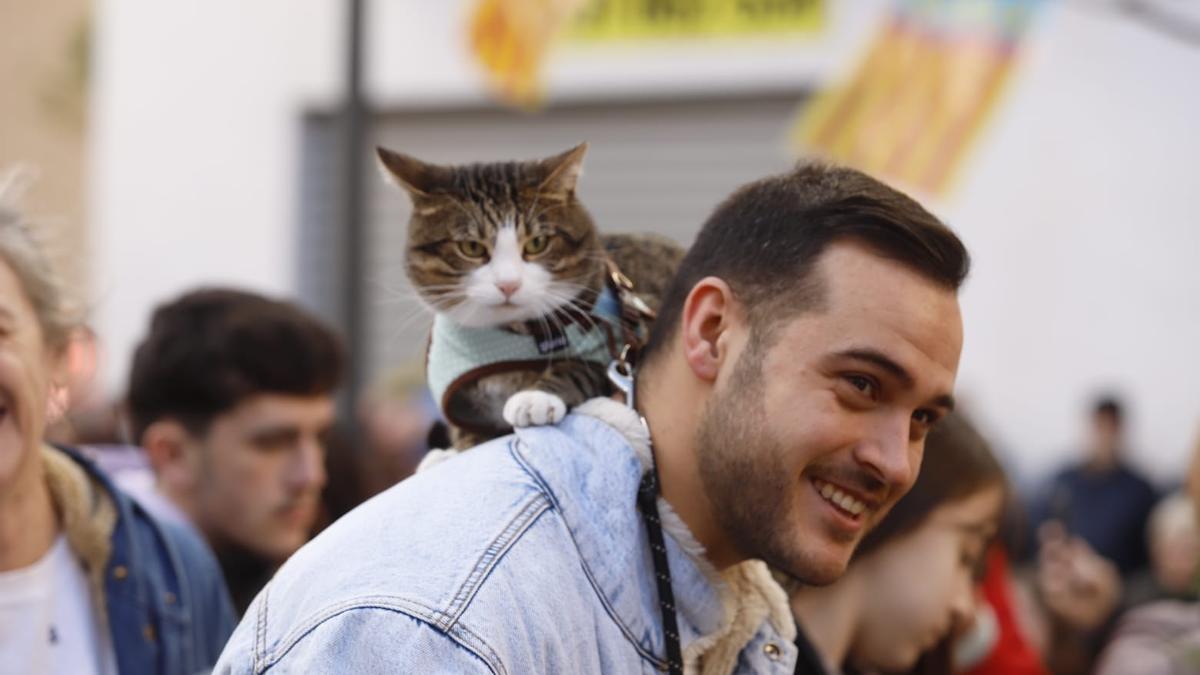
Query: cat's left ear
[[417, 177], [562, 171]]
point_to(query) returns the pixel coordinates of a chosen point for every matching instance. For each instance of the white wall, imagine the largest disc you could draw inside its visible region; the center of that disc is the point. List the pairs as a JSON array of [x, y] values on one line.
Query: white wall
[[1079, 208], [1076, 203], [195, 137]]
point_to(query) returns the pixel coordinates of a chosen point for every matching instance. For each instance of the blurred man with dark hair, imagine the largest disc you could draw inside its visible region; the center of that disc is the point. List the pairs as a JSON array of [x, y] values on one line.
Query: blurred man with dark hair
[[231, 395], [1101, 499]]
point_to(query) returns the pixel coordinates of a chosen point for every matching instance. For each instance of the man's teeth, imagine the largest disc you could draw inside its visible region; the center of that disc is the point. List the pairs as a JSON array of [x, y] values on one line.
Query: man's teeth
[[843, 500]]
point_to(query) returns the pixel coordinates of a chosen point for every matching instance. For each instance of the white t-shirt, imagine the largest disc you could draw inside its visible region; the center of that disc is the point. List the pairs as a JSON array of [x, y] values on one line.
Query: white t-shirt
[[47, 622]]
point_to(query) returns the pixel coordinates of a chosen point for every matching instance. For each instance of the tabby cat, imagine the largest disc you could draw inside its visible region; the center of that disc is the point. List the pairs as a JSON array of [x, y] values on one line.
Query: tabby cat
[[517, 275]]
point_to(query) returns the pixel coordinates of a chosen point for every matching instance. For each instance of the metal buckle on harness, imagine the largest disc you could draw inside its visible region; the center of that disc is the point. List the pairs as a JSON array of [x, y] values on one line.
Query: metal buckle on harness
[[620, 374]]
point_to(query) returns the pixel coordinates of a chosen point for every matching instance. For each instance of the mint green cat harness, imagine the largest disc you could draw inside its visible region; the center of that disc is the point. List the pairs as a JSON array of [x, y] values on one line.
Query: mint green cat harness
[[459, 355]]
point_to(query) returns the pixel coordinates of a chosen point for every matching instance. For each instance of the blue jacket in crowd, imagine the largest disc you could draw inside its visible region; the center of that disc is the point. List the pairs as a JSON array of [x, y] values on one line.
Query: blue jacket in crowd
[[166, 603]]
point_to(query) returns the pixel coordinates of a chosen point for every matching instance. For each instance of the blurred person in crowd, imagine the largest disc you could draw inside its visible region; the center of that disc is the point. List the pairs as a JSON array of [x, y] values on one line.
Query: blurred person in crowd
[[90, 417], [231, 395], [394, 418], [911, 585], [809, 342], [89, 581], [1102, 499], [1079, 593], [1174, 542], [1159, 638]]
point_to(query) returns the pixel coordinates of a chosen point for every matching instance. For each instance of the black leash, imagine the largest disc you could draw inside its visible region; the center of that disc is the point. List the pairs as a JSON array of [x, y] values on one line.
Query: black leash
[[621, 375], [648, 504]]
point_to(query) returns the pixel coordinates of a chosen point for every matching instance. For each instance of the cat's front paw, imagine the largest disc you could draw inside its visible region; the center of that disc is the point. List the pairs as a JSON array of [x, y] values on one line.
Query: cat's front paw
[[533, 408]]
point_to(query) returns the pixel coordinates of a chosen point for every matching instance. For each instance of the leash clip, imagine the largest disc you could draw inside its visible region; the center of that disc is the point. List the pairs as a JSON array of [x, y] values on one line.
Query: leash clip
[[620, 374]]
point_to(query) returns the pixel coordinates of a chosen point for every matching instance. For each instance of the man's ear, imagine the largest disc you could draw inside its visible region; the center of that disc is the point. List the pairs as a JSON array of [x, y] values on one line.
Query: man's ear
[[710, 326], [169, 446]]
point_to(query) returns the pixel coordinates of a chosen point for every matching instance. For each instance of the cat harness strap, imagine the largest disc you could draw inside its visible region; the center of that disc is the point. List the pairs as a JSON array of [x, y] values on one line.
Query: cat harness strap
[[459, 355]]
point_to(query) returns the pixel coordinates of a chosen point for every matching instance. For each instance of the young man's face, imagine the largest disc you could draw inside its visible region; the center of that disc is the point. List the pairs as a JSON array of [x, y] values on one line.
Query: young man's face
[[809, 440], [259, 472]]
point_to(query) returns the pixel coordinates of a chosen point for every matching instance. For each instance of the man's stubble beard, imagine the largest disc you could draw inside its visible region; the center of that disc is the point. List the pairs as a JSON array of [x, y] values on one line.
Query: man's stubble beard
[[746, 477]]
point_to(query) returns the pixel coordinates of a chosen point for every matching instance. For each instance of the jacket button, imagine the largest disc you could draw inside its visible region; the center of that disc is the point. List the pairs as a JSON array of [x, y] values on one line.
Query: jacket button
[[148, 632], [772, 651], [169, 598], [120, 572]]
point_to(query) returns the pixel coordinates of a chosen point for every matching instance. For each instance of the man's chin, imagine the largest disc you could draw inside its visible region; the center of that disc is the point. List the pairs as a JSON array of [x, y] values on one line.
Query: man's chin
[[813, 568], [279, 552]]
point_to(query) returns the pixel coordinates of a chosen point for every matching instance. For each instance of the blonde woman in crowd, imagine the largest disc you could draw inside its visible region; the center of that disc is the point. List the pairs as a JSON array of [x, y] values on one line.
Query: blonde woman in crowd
[[89, 583]]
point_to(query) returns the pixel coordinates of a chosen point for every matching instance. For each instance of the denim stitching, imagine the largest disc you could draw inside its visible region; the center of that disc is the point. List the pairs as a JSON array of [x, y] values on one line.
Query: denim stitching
[[587, 571], [476, 645], [492, 555], [260, 633], [515, 453]]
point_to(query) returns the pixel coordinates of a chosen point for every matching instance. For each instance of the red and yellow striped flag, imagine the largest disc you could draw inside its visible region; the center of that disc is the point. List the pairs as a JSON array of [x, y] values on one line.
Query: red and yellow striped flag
[[922, 92]]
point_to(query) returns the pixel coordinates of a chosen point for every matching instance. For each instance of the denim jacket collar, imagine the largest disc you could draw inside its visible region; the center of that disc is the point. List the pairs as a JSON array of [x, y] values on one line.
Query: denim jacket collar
[[609, 531]]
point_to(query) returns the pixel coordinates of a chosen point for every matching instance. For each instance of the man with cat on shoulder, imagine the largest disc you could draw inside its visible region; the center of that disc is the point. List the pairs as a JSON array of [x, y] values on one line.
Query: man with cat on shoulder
[[804, 349]]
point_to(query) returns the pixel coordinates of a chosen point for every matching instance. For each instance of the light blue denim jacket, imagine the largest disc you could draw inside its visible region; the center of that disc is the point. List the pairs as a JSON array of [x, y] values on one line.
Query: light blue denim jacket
[[524, 555]]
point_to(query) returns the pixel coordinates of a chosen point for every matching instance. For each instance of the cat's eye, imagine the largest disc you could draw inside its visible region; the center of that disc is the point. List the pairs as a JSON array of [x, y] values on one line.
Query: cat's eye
[[472, 249], [536, 245]]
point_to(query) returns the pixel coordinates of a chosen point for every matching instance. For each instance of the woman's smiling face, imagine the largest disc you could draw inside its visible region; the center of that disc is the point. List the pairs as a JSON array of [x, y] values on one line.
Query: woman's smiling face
[[27, 367]]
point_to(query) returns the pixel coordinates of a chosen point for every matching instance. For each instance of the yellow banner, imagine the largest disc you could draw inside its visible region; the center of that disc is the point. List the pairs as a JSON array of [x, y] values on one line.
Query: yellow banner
[[609, 20], [513, 39]]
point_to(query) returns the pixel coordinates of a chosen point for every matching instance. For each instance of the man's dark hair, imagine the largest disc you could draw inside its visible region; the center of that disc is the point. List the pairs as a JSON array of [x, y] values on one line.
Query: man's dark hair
[[1108, 406], [212, 348], [765, 240]]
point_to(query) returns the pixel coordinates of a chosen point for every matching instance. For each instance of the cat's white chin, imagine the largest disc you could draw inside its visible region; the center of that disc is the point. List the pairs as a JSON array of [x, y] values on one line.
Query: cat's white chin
[[476, 316]]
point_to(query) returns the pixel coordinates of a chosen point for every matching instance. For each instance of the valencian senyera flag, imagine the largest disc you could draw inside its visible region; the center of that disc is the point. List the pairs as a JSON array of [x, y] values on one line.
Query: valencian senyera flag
[[512, 39], [922, 92]]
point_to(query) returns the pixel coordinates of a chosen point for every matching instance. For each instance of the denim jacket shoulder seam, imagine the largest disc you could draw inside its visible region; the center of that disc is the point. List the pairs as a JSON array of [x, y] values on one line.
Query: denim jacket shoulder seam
[[492, 555], [459, 633], [646, 654], [515, 453], [260, 631]]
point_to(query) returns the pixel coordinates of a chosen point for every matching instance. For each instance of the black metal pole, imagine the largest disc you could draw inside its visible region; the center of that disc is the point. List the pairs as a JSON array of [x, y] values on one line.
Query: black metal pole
[[354, 196]]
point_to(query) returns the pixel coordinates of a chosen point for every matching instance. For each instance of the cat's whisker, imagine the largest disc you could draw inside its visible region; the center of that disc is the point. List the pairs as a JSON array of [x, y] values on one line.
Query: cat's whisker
[[570, 307], [406, 323]]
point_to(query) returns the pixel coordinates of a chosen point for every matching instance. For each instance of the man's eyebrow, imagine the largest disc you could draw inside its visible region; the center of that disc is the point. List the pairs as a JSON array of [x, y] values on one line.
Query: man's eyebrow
[[275, 432], [881, 360], [894, 369]]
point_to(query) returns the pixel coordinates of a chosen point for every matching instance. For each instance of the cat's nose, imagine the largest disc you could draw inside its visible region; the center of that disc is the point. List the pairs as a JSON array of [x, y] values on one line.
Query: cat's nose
[[508, 287]]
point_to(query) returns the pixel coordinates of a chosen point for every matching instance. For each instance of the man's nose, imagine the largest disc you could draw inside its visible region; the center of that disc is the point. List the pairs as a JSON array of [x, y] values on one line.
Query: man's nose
[[308, 468], [888, 452]]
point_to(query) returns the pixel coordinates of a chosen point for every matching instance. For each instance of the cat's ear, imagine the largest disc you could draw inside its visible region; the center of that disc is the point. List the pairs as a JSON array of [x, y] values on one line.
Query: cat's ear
[[562, 171], [410, 173]]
